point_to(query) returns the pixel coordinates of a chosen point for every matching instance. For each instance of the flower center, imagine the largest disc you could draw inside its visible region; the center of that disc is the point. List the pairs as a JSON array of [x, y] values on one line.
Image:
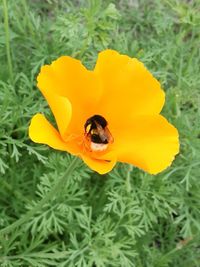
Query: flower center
[[97, 135]]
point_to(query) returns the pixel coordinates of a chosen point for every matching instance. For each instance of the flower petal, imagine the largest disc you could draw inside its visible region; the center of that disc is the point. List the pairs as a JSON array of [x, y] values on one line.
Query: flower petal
[[60, 106], [67, 77], [41, 131], [100, 165], [128, 86], [148, 142]]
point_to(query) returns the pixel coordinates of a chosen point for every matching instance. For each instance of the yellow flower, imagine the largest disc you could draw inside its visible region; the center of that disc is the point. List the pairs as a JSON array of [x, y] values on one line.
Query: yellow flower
[[106, 115]]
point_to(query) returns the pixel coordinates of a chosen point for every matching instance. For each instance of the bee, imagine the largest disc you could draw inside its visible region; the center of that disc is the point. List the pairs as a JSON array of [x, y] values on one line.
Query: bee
[[97, 133]]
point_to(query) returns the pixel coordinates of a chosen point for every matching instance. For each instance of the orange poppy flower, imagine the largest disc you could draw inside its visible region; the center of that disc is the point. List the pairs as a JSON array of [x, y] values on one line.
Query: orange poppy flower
[[106, 115]]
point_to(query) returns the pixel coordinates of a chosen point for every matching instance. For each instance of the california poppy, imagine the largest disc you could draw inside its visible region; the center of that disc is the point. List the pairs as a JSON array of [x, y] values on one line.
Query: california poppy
[[106, 115]]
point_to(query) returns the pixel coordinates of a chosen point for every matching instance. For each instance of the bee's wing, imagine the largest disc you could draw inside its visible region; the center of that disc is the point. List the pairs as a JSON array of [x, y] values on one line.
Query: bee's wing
[[104, 134], [109, 135], [101, 132]]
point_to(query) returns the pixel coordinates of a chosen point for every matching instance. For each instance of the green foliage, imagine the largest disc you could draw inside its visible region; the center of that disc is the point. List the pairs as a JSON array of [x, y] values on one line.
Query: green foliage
[[125, 218]]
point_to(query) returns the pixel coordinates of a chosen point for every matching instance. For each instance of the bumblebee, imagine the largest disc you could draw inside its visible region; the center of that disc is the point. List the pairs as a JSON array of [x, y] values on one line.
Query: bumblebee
[[97, 134]]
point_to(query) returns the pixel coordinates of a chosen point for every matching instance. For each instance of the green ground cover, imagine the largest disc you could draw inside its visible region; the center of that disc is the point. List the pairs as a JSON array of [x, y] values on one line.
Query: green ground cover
[[127, 217]]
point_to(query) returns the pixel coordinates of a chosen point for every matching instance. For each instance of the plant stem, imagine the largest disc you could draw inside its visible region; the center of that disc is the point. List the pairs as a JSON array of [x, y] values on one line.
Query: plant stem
[[7, 36], [128, 176], [54, 191]]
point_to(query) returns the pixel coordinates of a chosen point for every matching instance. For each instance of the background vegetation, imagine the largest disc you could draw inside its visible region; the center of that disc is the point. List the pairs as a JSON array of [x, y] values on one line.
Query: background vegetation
[[98, 221]]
